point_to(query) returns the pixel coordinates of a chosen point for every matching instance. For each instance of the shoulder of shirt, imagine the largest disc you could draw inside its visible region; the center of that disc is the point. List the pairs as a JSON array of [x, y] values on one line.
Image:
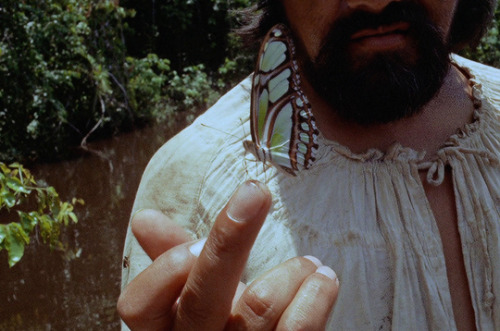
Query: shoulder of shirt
[[487, 76], [210, 130], [175, 174], [214, 127]]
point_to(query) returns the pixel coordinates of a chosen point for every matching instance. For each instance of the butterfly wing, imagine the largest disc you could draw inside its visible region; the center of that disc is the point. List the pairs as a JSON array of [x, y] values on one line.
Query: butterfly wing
[[282, 125]]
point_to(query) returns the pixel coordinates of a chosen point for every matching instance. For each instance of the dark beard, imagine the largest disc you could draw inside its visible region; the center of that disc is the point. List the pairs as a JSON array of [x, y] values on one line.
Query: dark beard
[[387, 86]]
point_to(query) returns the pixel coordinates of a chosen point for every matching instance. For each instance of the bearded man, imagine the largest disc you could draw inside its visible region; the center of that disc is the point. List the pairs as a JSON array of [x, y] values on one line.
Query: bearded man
[[399, 189]]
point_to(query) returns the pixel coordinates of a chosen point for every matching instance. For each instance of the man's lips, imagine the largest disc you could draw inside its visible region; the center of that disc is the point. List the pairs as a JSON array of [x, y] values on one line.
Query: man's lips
[[383, 38], [396, 28]]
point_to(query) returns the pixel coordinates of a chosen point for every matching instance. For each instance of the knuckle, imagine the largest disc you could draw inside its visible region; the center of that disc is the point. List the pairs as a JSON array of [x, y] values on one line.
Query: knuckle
[[189, 308], [303, 318], [259, 304], [122, 307], [222, 243], [192, 308], [297, 325], [126, 309]]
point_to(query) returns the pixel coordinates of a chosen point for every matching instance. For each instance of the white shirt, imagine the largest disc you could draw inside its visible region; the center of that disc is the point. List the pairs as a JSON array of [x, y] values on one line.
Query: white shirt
[[365, 215]]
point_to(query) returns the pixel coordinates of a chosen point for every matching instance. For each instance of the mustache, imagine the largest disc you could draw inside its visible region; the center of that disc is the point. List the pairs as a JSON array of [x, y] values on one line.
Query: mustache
[[396, 12]]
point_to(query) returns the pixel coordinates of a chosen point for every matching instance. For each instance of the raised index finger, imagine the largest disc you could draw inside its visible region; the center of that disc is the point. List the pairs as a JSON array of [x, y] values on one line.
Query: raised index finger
[[205, 302]]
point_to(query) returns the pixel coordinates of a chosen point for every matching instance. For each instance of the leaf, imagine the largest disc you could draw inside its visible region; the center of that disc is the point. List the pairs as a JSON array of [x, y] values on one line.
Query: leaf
[[42, 200], [73, 217], [8, 199], [74, 201], [3, 234], [15, 251], [28, 220], [14, 240], [16, 185], [4, 168]]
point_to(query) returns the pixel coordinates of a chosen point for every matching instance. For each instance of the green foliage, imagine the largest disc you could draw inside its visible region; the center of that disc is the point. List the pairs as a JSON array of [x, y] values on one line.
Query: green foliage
[[148, 77], [163, 92], [17, 186], [61, 75], [51, 75], [192, 89], [488, 51], [65, 76]]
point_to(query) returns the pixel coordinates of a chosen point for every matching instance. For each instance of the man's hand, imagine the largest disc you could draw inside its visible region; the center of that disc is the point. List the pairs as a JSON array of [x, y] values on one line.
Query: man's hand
[[196, 285]]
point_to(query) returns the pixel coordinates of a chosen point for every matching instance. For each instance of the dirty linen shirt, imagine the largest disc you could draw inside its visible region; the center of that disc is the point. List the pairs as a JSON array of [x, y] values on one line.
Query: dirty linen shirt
[[366, 215]]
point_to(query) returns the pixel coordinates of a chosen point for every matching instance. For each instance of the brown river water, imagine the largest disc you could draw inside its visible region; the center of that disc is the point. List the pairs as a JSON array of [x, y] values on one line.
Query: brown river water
[[77, 290]]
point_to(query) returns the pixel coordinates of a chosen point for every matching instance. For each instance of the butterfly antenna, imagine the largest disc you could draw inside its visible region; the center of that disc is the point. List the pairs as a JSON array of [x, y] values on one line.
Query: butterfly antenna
[[265, 172], [221, 131]]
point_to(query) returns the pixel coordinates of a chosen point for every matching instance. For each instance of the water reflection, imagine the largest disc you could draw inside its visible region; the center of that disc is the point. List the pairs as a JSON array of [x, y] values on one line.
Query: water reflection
[[51, 291]]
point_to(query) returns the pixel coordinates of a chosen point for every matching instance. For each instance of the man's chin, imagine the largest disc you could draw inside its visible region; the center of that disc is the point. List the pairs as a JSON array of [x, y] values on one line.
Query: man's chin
[[363, 58], [382, 87], [384, 92]]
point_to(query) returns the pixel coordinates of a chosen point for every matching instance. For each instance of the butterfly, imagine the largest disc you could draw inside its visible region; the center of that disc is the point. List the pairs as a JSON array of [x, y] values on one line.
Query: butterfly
[[282, 125]]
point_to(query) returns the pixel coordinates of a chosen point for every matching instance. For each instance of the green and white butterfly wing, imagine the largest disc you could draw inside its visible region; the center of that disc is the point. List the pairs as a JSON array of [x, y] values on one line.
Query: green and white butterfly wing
[[274, 55], [282, 126], [280, 138]]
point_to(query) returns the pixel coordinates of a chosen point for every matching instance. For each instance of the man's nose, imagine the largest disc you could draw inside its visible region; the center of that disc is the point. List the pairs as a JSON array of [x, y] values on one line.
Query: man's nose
[[373, 6]]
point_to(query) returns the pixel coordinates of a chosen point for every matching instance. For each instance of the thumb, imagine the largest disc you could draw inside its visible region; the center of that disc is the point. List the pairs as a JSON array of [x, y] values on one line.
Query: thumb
[[157, 233]]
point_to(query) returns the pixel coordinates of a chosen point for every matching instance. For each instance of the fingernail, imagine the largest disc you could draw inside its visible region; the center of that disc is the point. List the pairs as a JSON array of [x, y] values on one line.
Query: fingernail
[[136, 212], [314, 260], [246, 202], [197, 247], [328, 272]]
